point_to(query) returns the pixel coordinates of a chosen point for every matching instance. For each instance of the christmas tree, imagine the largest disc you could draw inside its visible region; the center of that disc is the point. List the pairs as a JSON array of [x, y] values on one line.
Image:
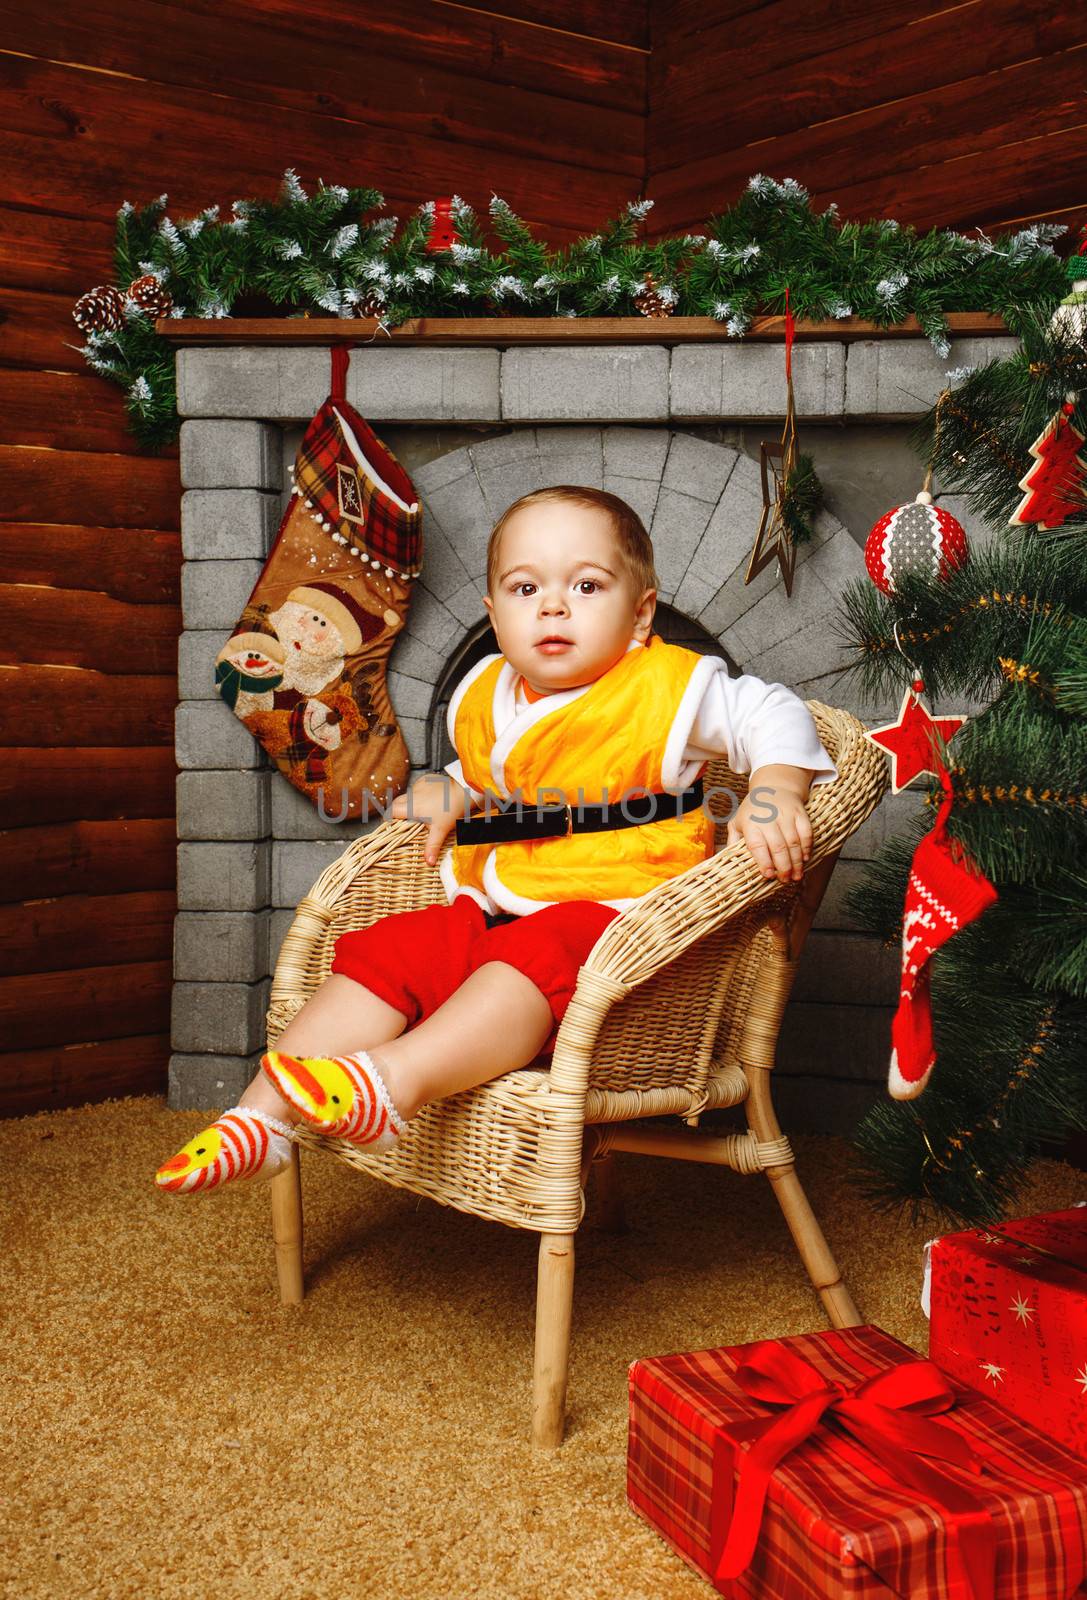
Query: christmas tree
[[1007, 628]]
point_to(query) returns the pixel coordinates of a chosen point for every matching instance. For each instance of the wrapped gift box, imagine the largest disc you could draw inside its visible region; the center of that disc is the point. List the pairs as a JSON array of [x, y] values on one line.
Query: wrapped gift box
[[842, 1513], [1008, 1308]]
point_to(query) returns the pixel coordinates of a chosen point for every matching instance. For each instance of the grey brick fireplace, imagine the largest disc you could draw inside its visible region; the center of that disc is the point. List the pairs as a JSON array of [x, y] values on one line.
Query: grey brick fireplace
[[674, 430]]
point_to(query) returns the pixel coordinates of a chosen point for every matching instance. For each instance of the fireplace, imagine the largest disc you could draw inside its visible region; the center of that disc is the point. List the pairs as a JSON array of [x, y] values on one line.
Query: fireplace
[[673, 430]]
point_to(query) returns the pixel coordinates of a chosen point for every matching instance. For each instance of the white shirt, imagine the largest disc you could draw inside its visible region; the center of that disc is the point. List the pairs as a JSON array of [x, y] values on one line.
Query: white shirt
[[749, 722]]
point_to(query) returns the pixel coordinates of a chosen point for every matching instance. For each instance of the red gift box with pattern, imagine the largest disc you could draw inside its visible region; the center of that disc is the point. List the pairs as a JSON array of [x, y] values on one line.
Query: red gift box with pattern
[[1009, 1315], [842, 1464]]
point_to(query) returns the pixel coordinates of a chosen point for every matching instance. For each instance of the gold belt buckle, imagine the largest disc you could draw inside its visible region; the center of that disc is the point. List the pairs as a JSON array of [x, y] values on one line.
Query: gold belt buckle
[[569, 820]]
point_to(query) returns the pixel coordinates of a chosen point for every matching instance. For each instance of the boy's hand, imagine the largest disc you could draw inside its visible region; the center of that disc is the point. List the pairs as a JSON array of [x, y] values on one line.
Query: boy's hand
[[773, 823], [438, 800]]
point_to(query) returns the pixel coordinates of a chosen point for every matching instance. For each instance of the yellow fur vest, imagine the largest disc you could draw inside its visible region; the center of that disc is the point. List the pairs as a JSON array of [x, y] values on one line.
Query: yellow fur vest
[[613, 736]]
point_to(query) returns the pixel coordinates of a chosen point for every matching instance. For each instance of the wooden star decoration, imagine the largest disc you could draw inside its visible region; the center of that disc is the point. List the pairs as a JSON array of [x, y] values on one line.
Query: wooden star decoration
[[913, 741], [773, 540], [777, 462]]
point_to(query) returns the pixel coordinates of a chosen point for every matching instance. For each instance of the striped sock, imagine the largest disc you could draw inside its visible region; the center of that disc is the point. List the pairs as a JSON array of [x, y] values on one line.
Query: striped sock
[[343, 1097], [242, 1143]]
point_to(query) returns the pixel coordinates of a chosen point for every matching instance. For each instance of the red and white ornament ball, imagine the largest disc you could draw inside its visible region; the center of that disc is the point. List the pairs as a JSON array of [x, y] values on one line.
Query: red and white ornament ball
[[915, 539]]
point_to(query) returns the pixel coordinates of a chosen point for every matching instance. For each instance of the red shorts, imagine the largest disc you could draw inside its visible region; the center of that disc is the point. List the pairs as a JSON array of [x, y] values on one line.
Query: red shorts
[[413, 960]]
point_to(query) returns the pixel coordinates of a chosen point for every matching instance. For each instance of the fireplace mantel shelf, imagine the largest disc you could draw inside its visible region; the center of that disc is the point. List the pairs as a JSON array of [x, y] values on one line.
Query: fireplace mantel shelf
[[503, 331]]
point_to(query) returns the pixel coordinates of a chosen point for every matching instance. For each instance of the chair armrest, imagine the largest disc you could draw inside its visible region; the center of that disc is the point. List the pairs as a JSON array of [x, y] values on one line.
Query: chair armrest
[[667, 920], [664, 922], [392, 849], [389, 845]]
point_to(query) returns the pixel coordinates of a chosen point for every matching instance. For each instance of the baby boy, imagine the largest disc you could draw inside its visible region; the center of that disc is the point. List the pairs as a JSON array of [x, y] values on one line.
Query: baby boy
[[583, 743]]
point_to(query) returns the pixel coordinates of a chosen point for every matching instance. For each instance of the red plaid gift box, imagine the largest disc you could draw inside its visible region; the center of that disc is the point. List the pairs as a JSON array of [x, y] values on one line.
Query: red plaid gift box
[[1009, 1314], [840, 1464]]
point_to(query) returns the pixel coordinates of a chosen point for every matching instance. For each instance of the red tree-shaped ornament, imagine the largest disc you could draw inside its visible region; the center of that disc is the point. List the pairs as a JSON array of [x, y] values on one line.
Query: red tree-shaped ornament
[[1055, 483]]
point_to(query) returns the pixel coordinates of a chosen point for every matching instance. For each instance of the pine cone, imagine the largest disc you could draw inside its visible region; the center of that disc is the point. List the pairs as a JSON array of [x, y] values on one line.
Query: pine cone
[[100, 310], [652, 301], [150, 295], [369, 304]]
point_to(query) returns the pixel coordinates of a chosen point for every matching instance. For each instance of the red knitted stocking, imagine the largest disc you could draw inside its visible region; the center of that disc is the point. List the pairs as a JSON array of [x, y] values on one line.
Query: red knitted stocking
[[945, 892]]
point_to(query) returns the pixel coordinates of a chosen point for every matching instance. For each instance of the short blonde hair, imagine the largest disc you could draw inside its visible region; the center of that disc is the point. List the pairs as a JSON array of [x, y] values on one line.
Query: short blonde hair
[[634, 543]]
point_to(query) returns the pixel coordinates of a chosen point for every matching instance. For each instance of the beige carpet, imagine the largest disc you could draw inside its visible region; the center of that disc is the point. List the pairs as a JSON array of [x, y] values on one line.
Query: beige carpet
[[175, 1432]]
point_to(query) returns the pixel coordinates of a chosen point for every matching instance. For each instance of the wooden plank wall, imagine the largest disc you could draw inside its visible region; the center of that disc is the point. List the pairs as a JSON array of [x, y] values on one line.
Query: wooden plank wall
[[543, 102], [958, 116]]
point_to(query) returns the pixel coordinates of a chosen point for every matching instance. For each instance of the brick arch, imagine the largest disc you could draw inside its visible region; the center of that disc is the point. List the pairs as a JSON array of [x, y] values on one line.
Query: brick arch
[[701, 502]]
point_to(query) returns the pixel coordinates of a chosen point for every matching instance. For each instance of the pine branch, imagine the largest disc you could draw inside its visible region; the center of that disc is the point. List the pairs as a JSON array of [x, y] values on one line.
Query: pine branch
[[324, 251], [1011, 1078]]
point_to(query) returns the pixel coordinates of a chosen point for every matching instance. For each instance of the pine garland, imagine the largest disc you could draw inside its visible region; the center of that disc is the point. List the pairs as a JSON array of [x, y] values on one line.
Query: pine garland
[[1009, 628], [324, 253]]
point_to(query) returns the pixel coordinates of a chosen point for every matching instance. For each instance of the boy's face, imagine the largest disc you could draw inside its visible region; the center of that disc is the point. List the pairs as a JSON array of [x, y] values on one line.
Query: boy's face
[[564, 605]]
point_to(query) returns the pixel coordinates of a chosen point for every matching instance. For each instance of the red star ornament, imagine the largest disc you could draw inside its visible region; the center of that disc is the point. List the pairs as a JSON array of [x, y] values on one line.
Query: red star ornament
[[913, 741]]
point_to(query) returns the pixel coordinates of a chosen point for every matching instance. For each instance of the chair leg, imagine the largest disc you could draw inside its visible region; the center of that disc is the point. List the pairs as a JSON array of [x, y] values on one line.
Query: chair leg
[[286, 1193], [610, 1212], [554, 1310], [808, 1236], [814, 1251]]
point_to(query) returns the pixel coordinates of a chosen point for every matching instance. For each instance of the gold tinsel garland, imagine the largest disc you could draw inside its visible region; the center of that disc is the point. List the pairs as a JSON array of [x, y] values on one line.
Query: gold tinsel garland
[[984, 602], [987, 437], [1019, 672], [1010, 794]]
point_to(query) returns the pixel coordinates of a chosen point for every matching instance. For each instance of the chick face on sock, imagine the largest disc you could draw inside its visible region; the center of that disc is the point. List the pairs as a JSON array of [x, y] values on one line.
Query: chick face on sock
[[190, 1167], [319, 1088], [564, 603]]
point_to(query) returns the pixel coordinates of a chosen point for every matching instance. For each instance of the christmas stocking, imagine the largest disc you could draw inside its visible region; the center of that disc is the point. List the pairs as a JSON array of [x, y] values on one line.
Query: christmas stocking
[[945, 892], [305, 666]]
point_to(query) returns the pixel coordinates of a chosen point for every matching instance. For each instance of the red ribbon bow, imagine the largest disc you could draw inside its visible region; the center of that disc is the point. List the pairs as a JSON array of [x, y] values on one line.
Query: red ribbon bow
[[890, 1415]]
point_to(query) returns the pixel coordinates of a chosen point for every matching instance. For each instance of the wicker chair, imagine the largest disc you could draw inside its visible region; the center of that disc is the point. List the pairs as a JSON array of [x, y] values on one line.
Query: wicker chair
[[676, 1012]]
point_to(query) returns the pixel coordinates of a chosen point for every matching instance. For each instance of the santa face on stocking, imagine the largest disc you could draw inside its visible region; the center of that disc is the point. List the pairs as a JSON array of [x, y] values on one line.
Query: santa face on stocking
[[319, 626], [305, 669], [314, 648]]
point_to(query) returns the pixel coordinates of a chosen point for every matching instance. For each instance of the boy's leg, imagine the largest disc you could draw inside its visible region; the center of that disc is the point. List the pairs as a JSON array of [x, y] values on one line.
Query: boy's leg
[[496, 1014], [251, 1139], [340, 1017], [496, 1021]]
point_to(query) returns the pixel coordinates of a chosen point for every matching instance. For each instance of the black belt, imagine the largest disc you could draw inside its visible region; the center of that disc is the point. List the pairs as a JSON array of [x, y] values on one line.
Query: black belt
[[560, 821]]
